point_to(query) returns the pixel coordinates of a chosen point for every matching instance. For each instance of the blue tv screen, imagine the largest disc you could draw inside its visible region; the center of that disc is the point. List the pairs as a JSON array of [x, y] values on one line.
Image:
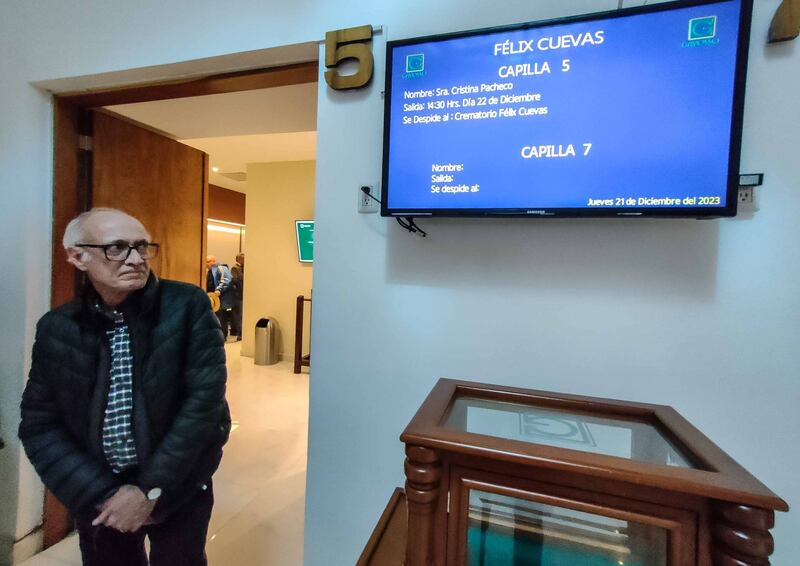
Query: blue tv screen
[[635, 112]]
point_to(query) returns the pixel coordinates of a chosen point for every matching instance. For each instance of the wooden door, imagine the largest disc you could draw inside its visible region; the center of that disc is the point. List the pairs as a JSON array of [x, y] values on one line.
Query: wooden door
[[160, 181]]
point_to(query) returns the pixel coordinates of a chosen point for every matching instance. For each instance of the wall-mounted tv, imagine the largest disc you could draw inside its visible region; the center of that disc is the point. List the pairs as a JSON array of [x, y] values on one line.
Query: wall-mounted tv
[[304, 230], [635, 112]]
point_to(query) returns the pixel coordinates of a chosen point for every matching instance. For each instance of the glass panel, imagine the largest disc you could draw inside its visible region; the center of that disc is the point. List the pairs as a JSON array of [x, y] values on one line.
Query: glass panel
[[507, 531], [631, 439]]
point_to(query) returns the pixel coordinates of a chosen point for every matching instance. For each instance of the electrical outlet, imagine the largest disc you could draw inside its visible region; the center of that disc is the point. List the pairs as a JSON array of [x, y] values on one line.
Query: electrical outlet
[[364, 201], [745, 195], [747, 199], [366, 204]]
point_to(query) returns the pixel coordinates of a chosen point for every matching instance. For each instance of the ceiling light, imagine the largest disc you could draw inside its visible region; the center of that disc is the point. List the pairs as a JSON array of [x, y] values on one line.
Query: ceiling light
[[215, 169], [226, 222], [225, 229]]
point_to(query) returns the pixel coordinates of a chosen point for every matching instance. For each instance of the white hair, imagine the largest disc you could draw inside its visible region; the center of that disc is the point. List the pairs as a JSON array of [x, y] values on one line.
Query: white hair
[[74, 233]]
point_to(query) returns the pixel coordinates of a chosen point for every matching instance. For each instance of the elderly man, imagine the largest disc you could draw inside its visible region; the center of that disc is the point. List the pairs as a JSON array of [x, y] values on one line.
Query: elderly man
[[124, 413], [218, 280]]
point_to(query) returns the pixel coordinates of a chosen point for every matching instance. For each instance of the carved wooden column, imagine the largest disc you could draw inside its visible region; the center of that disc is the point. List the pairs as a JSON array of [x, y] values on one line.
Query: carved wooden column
[[423, 472], [740, 535]]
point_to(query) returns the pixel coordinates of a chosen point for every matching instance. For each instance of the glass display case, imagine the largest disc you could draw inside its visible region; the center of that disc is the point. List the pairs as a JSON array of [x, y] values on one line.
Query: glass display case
[[599, 434], [499, 476]]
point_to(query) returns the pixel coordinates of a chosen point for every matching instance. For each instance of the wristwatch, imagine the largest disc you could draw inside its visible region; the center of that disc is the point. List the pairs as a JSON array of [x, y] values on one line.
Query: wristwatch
[[153, 493]]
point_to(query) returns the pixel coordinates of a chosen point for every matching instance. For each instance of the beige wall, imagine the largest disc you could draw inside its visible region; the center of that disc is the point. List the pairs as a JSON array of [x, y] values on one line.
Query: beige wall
[[277, 195]]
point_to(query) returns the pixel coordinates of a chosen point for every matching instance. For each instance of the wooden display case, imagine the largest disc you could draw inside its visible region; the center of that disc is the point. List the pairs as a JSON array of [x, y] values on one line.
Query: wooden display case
[[502, 476]]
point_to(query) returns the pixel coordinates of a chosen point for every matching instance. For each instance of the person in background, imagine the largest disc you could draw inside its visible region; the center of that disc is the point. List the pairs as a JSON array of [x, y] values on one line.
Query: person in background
[[124, 414], [218, 280], [237, 272]]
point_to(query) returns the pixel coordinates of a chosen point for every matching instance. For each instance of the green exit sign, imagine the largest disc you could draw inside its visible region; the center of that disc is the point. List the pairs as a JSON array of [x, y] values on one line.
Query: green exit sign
[[305, 240]]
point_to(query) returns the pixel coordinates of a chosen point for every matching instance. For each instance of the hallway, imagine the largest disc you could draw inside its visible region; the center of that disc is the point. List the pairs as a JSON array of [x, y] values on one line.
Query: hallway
[[259, 488]]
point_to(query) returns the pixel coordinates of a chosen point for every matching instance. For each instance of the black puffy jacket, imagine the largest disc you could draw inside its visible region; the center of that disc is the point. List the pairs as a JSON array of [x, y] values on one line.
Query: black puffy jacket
[[180, 416]]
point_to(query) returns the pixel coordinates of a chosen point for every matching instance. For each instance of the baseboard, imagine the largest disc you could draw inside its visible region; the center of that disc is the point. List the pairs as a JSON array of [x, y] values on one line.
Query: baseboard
[[27, 546]]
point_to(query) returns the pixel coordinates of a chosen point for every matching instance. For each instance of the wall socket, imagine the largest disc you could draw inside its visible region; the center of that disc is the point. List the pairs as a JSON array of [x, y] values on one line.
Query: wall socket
[[367, 205], [747, 199]]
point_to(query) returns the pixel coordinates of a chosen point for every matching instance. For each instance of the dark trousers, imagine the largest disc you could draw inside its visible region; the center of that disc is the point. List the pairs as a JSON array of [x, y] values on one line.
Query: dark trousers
[[236, 318], [178, 541], [225, 318]]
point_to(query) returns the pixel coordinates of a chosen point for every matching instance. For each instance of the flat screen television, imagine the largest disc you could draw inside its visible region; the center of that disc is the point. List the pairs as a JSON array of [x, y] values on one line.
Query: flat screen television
[[304, 230], [634, 112]]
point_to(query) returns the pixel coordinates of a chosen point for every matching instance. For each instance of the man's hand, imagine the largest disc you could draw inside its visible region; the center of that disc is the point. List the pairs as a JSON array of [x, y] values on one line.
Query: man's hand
[[126, 511], [217, 293]]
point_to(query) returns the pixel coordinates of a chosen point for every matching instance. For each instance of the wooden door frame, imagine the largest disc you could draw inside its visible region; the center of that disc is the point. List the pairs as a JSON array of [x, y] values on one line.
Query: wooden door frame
[[70, 199]]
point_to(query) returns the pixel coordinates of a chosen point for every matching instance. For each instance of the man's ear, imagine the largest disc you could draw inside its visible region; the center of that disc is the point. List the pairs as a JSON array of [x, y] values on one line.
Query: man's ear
[[77, 257]]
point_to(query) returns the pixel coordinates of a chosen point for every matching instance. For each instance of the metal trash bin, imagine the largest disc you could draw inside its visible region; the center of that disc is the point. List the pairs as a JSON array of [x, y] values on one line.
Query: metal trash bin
[[266, 353]]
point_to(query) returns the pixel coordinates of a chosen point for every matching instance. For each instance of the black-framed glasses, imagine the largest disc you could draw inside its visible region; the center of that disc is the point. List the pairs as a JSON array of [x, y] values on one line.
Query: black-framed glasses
[[120, 251]]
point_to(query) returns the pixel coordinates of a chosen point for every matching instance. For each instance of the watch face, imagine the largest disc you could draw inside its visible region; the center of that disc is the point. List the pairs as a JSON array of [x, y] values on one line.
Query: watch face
[[154, 493]]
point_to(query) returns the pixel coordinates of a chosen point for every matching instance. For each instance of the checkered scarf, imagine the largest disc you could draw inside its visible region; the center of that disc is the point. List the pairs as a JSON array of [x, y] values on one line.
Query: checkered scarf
[[118, 442]]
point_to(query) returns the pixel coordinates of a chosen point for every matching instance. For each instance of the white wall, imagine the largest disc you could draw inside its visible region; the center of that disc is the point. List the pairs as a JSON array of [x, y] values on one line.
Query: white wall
[[699, 315], [25, 178]]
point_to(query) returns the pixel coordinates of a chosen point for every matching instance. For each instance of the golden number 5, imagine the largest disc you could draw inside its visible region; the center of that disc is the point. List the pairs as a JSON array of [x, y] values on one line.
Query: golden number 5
[[350, 43]]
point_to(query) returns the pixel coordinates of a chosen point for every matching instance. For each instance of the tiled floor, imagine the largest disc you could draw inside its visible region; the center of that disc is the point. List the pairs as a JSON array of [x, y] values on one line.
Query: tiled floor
[[260, 486]]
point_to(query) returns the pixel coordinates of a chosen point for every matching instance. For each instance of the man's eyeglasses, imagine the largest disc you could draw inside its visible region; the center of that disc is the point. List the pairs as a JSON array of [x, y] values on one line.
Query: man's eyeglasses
[[120, 251]]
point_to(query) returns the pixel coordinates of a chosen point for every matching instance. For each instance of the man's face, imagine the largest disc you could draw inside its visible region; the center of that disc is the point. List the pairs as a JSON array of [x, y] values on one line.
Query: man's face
[[116, 276], [210, 261]]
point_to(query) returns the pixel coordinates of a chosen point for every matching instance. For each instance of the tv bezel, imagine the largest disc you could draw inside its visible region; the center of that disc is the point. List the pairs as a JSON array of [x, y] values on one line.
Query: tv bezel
[[737, 111]]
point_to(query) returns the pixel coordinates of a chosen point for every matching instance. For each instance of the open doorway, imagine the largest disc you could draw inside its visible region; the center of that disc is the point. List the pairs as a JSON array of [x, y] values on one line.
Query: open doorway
[[258, 148], [261, 149]]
